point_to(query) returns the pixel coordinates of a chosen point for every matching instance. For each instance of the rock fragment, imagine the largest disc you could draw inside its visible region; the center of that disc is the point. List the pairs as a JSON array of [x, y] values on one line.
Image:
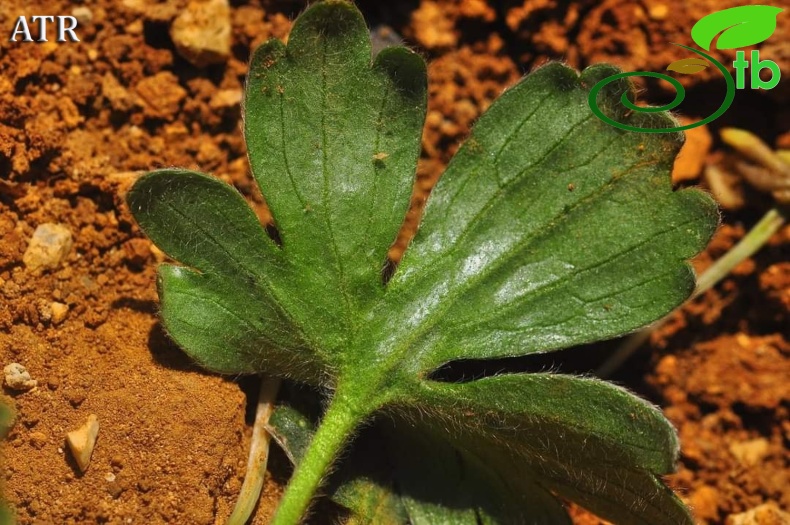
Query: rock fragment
[[59, 312], [226, 98], [161, 95], [705, 502], [750, 453], [48, 248], [83, 14], [18, 378], [38, 440], [202, 32], [658, 12], [765, 514], [83, 440], [117, 95]]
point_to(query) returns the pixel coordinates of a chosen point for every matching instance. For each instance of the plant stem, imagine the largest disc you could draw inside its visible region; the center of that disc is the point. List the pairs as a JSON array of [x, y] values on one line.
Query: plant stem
[[746, 247], [336, 427], [751, 147], [259, 453]]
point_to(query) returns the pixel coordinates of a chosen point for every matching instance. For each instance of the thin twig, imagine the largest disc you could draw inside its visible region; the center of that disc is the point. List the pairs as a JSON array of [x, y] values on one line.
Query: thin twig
[[259, 454]]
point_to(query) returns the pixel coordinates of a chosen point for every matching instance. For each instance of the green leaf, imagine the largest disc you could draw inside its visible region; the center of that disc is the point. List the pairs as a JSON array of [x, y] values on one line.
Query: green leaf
[[223, 307], [587, 440], [7, 418], [548, 229], [319, 118], [503, 445], [739, 26], [399, 474], [317, 114]]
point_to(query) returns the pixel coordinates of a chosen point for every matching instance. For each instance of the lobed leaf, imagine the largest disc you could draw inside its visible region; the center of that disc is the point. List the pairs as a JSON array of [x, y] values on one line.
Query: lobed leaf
[[549, 228], [223, 308], [496, 449], [333, 142], [585, 439], [398, 473]]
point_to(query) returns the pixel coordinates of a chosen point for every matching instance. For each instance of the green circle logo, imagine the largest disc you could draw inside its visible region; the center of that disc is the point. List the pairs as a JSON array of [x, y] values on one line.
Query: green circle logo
[[688, 65]]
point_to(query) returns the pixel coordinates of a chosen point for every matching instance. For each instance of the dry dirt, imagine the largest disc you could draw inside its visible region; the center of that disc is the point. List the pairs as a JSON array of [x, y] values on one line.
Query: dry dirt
[[79, 120]]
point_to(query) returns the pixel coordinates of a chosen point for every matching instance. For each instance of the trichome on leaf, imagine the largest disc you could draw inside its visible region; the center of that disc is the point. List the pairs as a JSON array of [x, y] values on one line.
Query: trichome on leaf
[[507, 262]]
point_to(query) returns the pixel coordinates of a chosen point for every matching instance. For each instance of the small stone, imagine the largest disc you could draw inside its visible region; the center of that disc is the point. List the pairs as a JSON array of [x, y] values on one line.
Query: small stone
[[765, 514], [161, 95], [18, 378], [35, 507], [176, 131], [226, 98], [59, 312], [659, 12], [76, 398], [705, 502], [119, 97], [48, 248], [44, 311], [135, 28], [116, 462], [83, 14], [109, 476], [38, 440], [82, 441], [115, 490], [202, 32], [137, 251], [11, 290], [750, 453]]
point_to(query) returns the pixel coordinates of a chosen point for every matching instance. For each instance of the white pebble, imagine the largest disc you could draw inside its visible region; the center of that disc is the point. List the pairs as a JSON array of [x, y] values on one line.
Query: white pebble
[[48, 248], [18, 378], [202, 32], [82, 441], [83, 14]]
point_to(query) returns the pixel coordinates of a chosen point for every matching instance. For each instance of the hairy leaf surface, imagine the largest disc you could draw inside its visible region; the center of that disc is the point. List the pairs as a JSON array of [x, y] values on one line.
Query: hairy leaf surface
[[548, 229]]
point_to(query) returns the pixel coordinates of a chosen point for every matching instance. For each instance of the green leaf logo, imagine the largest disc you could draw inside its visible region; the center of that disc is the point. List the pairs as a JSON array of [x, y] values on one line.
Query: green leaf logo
[[739, 26], [688, 66]]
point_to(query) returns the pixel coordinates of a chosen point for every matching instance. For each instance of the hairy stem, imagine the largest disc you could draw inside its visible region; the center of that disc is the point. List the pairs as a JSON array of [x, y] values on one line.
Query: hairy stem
[[746, 247], [337, 426], [259, 453]]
